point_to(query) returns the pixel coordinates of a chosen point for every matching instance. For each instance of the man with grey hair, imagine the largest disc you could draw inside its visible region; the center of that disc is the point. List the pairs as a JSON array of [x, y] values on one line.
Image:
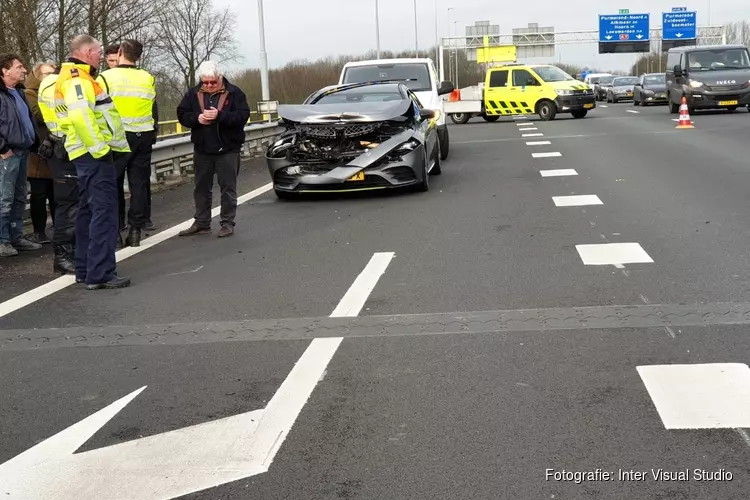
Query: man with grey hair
[[216, 113]]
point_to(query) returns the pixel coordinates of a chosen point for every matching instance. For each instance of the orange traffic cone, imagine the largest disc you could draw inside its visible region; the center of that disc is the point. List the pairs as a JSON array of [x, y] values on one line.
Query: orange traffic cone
[[685, 121]]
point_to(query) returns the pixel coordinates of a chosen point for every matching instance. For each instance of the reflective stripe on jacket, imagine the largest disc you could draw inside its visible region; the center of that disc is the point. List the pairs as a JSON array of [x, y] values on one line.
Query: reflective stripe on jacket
[[86, 114], [133, 91]]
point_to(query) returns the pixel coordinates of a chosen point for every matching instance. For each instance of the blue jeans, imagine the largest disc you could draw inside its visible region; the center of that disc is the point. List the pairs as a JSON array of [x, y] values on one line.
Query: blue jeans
[[12, 196]]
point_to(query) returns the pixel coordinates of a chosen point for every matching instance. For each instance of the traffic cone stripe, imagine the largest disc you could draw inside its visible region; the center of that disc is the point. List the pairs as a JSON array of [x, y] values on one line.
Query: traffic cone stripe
[[685, 121]]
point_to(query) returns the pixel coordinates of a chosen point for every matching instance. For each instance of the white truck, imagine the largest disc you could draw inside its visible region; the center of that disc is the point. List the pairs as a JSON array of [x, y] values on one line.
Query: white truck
[[417, 74]]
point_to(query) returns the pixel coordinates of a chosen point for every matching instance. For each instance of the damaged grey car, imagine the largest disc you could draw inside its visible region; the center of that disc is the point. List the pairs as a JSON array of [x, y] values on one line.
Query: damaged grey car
[[355, 137]]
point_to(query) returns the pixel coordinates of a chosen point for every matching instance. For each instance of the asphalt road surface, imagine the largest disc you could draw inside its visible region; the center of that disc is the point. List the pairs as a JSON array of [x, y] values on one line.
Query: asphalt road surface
[[563, 315]]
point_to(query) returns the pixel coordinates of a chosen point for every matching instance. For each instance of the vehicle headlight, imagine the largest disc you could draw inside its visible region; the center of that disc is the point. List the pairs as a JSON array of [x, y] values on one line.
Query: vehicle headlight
[[564, 92], [696, 84], [407, 147]]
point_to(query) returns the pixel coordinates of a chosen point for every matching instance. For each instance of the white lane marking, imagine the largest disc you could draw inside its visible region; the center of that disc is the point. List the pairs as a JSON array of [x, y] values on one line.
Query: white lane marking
[[700, 396], [670, 332], [520, 117], [558, 173], [532, 135], [603, 106], [633, 111], [58, 284], [546, 155], [645, 299], [357, 294], [537, 143], [613, 254], [577, 200], [527, 129], [675, 119]]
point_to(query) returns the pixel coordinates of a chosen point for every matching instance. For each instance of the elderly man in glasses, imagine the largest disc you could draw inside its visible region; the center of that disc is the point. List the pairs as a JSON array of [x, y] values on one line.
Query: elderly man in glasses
[[216, 112]]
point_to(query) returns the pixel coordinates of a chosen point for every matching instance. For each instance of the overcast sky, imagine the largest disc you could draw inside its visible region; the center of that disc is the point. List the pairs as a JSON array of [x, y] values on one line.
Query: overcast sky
[[311, 29]]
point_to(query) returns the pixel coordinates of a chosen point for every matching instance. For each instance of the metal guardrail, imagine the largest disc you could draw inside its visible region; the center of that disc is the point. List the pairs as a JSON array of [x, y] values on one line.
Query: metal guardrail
[[174, 128], [172, 158]]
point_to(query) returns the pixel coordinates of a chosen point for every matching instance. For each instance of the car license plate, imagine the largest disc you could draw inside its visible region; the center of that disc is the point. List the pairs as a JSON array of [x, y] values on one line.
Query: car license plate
[[588, 106], [359, 176], [727, 103], [630, 93]]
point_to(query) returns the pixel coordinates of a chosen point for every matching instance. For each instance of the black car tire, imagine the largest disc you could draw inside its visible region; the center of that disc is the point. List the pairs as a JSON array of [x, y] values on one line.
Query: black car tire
[[437, 169], [579, 113], [673, 108], [445, 143], [424, 186], [460, 118], [547, 110], [490, 118]]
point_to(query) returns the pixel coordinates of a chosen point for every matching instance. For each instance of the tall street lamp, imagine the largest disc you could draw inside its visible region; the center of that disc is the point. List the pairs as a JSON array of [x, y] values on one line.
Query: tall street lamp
[[416, 36], [377, 28], [266, 94]]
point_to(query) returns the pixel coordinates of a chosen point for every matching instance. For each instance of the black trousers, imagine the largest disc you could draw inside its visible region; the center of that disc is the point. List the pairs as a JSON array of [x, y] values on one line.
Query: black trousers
[[41, 191], [226, 167], [137, 164], [65, 184]]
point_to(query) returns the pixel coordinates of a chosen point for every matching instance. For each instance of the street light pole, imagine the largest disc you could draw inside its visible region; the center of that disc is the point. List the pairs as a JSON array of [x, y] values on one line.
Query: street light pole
[[377, 28], [266, 94], [437, 35], [416, 36]]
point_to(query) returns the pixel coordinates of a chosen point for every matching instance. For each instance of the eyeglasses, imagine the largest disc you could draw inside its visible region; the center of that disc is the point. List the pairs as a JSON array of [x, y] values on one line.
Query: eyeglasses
[[210, 82]]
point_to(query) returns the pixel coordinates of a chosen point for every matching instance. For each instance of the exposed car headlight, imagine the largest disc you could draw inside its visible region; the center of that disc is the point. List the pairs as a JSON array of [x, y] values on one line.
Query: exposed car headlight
[[564, 92], [407, 147], [696, 84]]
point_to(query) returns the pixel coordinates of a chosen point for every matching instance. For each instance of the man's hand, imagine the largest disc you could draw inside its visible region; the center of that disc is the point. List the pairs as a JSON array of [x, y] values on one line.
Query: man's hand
[[203, 120], [7, 155], [211, 113]]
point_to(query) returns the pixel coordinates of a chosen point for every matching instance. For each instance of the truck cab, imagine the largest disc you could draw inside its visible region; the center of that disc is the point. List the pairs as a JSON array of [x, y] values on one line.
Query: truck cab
[[418, 74]]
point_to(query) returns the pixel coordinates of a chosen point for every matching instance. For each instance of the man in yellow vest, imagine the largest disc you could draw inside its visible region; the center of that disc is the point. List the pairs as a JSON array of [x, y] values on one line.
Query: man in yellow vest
[[93, 131], [65, 181], [133, 91]]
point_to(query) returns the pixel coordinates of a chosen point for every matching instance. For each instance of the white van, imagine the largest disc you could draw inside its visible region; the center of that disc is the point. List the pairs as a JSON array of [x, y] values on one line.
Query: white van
[[419, 75]]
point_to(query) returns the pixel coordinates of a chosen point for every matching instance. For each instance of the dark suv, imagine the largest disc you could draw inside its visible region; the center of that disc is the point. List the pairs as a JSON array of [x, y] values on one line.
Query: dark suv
[[709, 77]]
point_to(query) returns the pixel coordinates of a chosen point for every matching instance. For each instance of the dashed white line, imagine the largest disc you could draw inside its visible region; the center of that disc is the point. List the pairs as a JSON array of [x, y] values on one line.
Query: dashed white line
[[63, 282], [546, 155], [613, 254], [633, 111], [532, 135], [357, 294], [537, 143], [527, 129], [577, 200], [558, 173], [603, 106]]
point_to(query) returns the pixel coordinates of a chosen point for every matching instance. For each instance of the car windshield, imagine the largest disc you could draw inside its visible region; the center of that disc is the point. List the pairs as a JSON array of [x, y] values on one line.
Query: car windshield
[[653, 79], [368, 93], [416, 76], [717, 59], [624, 82], [606, 80], [552, 74], [594, 80]]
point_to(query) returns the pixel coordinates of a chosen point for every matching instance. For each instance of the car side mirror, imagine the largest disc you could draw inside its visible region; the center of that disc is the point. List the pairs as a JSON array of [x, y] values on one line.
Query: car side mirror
[[677, 70], [445, 88], [428, 114]]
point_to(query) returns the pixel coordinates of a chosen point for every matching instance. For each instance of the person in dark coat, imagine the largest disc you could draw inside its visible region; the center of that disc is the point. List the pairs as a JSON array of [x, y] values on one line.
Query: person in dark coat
[[216, 112]]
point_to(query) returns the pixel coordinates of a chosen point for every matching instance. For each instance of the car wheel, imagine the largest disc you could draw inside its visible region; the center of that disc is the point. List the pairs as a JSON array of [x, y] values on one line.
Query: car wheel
[[673, 108], [424, 186], [547, 110], [460, 118], [490, 118], [444, 144], [579, 113], [437, 168]]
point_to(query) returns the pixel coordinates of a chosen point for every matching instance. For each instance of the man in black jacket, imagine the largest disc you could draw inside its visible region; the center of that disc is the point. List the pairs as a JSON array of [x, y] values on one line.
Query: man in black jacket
[[216, 112]]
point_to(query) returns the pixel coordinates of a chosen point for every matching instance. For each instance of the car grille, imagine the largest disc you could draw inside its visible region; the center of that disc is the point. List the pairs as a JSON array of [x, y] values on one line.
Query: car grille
[[332, 131], [583, 92], [401, 174], [723, 88]]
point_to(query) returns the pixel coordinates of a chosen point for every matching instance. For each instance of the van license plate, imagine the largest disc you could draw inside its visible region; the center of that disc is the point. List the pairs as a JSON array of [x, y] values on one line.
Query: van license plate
[[359, 176], [588, 106], [727, 103]]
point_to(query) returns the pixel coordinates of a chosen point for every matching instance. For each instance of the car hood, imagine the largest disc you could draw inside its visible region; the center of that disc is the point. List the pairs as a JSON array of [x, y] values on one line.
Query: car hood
[[655, 86], [366, 112], [623, 87], [721, 77], [569, 85]]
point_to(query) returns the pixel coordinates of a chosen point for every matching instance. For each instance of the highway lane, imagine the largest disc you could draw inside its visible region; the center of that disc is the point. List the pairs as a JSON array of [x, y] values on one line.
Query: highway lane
[[457, 415]]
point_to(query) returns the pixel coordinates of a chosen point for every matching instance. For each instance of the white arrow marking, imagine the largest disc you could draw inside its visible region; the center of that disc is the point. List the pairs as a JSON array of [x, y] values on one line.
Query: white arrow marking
[[608, 37], [183, 461], [678, 35], [639, 36]]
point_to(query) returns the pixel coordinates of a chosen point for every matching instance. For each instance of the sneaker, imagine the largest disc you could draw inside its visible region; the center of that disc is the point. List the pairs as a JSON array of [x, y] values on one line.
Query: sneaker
[[25, 245], [226, 231], [7, 250], [195, 229], [116, 282], [40, 238]]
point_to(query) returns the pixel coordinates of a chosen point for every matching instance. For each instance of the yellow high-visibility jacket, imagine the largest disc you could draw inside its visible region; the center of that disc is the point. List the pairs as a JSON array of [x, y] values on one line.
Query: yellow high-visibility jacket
[[47, 105], [87, 116], [133, 91]]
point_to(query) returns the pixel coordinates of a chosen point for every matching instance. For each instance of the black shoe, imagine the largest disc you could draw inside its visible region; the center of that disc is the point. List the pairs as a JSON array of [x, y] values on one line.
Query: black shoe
[[116, 282], [195, 229], [226, 231], [150, 226], [134, 237], [41, 238], [64, 262]]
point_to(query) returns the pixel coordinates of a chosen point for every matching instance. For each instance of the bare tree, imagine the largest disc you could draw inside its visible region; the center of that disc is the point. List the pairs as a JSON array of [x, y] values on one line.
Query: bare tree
[[738, 32], [197, 33]]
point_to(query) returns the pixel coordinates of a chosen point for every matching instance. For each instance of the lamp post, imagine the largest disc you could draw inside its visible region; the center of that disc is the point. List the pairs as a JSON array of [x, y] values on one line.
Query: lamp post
[[377, 28], [416, 36], [266, 94], [437, 35]]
